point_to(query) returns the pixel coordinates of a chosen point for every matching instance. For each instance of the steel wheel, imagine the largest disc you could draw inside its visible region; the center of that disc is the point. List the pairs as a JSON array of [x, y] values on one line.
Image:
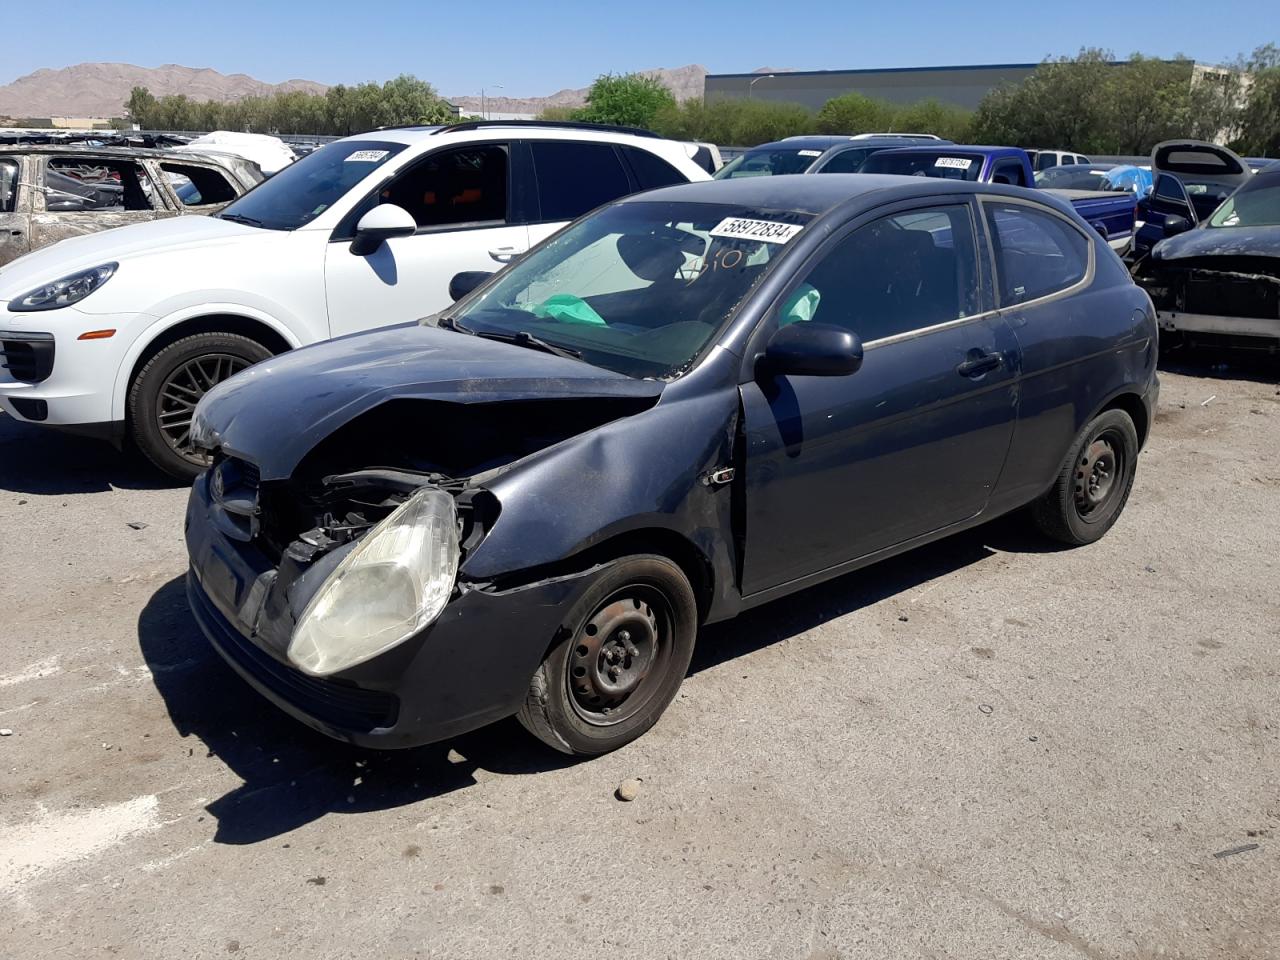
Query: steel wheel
[[1101, 463], [619, 656], [182, 390]]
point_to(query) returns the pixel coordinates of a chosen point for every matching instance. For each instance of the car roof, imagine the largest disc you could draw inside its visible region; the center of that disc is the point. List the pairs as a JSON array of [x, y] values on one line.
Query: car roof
[[955, 148], [806, 142], [418, 135], [152, 152], [816, 195]]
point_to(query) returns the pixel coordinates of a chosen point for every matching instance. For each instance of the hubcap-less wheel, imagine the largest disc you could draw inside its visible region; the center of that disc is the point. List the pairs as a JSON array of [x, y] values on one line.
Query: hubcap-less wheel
[[182, 390], [617, 658], [1096, 474]]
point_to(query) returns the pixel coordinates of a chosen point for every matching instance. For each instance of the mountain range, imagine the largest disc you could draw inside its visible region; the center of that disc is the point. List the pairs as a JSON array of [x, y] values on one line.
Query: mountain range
[[101, 89]]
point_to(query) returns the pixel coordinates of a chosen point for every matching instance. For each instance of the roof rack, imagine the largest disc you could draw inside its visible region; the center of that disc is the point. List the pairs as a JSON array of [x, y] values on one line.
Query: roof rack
[[549, 124]]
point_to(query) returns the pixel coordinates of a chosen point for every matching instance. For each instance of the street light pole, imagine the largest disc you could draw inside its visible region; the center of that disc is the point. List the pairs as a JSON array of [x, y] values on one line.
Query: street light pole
[[484, 110], [765, 76]]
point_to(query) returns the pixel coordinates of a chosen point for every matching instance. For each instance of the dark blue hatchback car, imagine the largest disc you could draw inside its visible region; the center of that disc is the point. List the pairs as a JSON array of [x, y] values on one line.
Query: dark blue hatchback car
[[685, 404]]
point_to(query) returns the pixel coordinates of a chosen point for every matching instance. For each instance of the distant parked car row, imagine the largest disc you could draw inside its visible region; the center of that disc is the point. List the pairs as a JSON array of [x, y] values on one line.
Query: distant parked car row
[[122, 332]]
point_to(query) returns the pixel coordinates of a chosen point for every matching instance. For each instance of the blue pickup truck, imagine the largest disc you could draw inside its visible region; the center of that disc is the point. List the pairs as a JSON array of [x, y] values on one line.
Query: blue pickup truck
[[1110, 213]]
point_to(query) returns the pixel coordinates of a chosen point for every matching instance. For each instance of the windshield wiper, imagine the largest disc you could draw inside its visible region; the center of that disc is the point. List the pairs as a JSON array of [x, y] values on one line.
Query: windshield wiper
[[523, 338], [240, 218], [451, 323]]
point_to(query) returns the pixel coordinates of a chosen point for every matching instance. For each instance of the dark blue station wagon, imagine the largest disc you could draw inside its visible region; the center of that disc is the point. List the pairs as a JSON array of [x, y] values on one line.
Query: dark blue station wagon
[[685, 404]]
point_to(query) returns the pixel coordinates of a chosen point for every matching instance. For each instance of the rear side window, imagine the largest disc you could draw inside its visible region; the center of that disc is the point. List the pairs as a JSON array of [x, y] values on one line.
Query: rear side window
[[8, 186], [651, 170], [576, 177], [900, 273], [1009, 171], [96, 185], [847, 162], [1037, 253], [198, 185]]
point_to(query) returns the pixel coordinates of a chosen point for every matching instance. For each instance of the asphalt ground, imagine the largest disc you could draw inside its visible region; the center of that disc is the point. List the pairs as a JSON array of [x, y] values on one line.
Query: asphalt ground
[[987, 748]]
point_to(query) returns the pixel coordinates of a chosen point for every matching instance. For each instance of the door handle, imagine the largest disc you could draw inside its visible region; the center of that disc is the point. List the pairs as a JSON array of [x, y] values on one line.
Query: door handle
[[979, 363], [505, 254]]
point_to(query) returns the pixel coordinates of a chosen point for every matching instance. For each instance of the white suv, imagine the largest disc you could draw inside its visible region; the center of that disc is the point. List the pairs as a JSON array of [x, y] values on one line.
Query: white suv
[[122, 332]]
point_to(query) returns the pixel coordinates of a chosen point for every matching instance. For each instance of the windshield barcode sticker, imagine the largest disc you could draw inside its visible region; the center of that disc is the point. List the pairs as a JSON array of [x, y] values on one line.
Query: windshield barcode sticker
[[809, 153], [740, 228], [953, 163], [367, 156]]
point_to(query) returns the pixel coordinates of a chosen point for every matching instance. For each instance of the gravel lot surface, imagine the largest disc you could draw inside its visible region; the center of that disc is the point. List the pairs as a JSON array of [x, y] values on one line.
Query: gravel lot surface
[[987, 749]]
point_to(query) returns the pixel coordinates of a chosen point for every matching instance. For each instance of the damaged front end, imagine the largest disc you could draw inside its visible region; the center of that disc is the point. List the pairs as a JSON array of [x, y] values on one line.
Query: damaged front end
[[1222, 296], [339, 591]]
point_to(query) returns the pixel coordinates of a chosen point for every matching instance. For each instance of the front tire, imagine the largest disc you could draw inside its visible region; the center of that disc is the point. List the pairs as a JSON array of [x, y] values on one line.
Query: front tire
[[1093, 483], [163, 396], [624, 651]]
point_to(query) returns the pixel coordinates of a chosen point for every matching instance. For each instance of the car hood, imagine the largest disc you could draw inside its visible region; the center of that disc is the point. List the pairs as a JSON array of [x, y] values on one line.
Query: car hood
[[1221, 242], [119, 245], [274, 413]]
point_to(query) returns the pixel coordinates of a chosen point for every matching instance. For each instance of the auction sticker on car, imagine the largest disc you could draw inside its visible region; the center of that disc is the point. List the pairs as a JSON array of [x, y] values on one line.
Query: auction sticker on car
[[954, 163], [809, 153], [367, 156], [770, 231]]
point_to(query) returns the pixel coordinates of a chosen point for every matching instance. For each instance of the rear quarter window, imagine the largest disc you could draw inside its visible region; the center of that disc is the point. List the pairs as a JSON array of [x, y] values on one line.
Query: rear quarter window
[[651, 170], [1037, 252], [576, 177]]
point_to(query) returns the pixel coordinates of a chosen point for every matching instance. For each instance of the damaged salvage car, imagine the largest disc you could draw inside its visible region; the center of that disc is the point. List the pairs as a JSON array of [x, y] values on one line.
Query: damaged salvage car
[[1220, 279], [685, 404]]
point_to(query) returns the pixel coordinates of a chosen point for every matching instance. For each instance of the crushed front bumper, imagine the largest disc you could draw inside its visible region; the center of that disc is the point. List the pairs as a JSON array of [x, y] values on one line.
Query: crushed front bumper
[[472, 666]]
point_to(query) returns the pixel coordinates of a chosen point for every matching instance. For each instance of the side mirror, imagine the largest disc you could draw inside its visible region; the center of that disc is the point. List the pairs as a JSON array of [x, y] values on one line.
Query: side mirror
[[463, 283], [382, 223], [1174, 225], [810, 349]]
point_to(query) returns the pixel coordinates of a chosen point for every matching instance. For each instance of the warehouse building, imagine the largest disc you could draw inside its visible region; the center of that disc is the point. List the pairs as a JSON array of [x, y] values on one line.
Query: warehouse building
[[963, 86]]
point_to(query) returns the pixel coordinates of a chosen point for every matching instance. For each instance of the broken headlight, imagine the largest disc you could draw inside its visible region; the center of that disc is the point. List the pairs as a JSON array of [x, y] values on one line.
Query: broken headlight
[[394, 583], [66, 291]]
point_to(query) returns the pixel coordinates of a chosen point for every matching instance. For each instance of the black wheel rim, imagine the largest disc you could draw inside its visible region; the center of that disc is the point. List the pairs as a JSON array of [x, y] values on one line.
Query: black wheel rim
[[182, 390], [620, 656], [1100, 476]]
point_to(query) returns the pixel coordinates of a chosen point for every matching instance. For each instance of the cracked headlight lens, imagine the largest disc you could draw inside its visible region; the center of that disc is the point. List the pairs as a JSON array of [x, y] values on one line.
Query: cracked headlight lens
[[66, 291], [392, 585]]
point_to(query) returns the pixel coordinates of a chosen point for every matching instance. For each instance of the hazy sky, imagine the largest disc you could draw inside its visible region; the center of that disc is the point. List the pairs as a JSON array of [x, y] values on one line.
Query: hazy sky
[[534, 48]]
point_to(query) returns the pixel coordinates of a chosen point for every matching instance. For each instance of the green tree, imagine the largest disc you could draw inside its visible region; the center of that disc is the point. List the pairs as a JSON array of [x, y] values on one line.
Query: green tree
[[140, 106], [930, 116], [1259, 119], [854, 113], [733, 122], [630, 99]]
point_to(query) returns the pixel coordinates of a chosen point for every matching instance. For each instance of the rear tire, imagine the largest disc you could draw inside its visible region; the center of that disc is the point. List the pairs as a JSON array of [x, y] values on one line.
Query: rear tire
[[1093, 483], [163, 395], [624, 649]]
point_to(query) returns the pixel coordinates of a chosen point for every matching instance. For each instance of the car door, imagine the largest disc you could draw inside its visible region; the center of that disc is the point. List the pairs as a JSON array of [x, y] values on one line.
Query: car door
[[572, 177], [1067, 333], [84, 193], [461, 198], [15, 208], [1167, 199], [839, 468]]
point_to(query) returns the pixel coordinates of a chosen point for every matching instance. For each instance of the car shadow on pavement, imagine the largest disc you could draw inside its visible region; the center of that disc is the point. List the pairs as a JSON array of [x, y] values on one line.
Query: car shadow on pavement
[[42, 461], [293, 775], [772, 622]]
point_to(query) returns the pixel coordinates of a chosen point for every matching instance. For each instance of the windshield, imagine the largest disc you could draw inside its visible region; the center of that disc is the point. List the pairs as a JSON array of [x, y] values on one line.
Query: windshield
[[303, 190], [770, 162], [1256, 204], [638, 288], [944, 165]]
